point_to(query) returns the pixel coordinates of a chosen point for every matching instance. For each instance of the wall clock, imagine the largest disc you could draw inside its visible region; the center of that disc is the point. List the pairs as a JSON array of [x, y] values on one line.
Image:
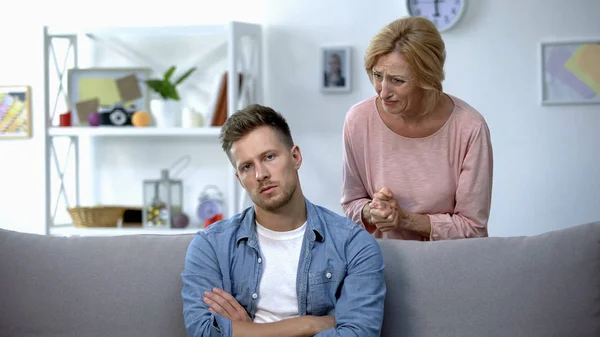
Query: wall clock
[[443, 13]]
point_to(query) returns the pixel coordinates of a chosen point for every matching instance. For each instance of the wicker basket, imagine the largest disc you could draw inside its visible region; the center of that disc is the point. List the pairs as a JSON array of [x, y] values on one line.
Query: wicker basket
[[97, 216]]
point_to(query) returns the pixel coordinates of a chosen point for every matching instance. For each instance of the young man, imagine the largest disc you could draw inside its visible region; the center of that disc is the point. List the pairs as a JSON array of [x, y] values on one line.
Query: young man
[[284, 267]]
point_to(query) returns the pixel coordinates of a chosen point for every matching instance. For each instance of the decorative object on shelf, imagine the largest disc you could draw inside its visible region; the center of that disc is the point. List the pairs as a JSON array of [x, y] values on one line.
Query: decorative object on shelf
[[166, 109], [218, 108], [443, 14], [192, 118], [211, 205], [94, 119], [15, 111], [140, 119], [87, 108], [115, 115], [336, 70], [180, 220], [570, 72], [162, 199], [132, 217], [96, 216], [65, 119], [107, 87]]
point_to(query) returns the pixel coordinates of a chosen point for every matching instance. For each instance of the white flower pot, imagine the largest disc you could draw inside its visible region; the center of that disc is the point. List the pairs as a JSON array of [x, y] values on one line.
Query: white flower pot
[[166, 113]]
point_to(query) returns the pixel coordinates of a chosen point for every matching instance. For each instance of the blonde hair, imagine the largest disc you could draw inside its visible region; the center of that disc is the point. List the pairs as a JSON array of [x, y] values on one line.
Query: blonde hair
[[419, 41]]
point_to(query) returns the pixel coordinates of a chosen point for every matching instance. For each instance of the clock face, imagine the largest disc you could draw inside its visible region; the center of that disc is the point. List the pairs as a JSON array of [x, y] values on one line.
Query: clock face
[[443, 13], [208, 209]]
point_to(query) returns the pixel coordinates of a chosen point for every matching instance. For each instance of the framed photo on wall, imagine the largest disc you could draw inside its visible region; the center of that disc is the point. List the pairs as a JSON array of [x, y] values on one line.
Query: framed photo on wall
[[570, 72], [15, 111], [336, 66]]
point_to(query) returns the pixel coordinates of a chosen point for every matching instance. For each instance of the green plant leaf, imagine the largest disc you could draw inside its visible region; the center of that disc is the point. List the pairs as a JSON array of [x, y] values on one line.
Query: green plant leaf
[[184, 76], [158, 86], [170, 92], [169, 73]]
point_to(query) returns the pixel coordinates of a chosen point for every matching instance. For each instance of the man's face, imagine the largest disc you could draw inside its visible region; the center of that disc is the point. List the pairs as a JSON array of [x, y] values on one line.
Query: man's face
[[266, 168]]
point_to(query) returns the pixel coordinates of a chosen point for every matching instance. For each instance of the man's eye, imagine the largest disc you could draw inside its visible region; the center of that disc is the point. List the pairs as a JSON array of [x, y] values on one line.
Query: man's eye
[[270, 157]]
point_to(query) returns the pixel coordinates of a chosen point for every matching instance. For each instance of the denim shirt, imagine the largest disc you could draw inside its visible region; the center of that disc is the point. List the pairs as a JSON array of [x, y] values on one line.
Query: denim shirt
[[340, 273]]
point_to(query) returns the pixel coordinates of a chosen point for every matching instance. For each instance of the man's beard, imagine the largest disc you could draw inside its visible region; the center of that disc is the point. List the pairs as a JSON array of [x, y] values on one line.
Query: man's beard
[[276, 202]]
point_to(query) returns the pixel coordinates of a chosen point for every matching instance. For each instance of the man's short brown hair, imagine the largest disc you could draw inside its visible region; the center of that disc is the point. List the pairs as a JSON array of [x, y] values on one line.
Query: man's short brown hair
[[249, 119]]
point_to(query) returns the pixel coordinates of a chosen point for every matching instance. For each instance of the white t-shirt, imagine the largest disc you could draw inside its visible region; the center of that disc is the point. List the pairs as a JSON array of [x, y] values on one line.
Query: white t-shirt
[[277, 299]]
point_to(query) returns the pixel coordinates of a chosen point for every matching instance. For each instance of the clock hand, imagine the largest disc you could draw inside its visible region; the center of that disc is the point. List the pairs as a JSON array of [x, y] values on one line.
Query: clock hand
[[437, 9]]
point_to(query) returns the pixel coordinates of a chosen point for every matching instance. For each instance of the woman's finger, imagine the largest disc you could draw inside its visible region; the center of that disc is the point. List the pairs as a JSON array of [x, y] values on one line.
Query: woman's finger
[[381, 196], [381, 213], [385, 226]]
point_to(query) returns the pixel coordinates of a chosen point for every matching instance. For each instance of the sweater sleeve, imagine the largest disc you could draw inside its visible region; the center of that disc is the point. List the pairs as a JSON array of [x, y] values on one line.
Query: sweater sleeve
[[354, 192], [473, 194]]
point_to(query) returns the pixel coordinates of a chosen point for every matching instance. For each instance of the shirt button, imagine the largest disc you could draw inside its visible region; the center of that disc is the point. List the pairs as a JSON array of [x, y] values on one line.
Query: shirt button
[[254, 296], [259, 260], [328, 275]]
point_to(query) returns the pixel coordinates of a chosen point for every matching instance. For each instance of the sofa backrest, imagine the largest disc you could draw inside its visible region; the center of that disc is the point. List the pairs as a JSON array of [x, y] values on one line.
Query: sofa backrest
[[91, 286], [545, 285]]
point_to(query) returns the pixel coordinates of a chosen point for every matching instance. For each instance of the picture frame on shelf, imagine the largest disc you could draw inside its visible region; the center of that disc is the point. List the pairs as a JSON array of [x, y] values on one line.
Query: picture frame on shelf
[[15, 112], [570, 72], [336, 69], [101, 87]]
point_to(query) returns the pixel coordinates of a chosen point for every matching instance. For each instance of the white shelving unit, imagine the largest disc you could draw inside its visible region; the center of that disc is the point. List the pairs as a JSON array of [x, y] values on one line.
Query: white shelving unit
[[66, 48], [209, 132]]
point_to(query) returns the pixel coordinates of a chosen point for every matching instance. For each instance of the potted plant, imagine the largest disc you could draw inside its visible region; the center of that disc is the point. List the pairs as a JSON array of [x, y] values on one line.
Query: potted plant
[[166, 109]]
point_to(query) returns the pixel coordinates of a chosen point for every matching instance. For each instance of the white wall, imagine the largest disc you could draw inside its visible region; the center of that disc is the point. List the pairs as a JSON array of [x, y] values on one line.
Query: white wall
[[22, 181], [547, 168], [547, 171]]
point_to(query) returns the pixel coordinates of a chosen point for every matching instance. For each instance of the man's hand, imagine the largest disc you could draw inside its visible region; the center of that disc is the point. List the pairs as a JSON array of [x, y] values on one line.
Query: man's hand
[[321, 323], [222, 303], [385, 213]]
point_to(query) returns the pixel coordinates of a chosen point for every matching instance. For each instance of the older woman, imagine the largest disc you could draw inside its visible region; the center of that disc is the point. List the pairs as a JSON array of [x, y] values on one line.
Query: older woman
[[418, 162]]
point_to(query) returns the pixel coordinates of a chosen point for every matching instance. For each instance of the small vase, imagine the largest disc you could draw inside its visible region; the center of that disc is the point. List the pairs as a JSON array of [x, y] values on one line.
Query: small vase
[[166, 113]]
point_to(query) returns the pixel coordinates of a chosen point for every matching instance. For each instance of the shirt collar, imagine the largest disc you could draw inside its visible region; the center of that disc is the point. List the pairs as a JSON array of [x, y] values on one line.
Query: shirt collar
[[248, 217]]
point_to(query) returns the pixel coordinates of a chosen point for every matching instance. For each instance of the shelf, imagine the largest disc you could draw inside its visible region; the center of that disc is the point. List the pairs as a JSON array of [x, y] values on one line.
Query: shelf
[[91, 231], [141, 31], [116, 131]]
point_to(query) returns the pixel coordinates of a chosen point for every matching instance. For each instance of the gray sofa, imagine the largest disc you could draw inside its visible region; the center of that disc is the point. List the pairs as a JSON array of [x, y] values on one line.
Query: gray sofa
[[545, 285]]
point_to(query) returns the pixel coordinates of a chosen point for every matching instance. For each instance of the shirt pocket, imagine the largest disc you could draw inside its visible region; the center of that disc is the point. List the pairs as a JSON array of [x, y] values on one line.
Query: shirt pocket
[[323, 291]]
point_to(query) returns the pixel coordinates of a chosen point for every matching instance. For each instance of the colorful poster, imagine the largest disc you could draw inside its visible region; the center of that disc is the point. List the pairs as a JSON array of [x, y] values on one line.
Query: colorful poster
[[15, 112], [571, 72]]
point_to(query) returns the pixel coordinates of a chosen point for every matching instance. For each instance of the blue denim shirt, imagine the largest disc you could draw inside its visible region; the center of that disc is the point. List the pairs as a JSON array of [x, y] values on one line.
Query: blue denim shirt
[[340, 273]]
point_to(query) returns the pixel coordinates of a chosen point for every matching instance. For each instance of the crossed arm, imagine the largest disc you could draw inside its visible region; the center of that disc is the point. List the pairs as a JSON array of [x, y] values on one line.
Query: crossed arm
[[222, 303], [210, 311], [217, 314]]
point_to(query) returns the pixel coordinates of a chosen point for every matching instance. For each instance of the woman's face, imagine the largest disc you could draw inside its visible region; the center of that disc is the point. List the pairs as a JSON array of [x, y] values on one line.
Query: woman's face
[[396, 86]]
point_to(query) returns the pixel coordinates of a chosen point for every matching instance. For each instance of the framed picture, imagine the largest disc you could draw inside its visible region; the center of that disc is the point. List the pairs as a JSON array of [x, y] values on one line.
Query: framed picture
[[15, 111], [92, 88], [570, 72], [335, 69]]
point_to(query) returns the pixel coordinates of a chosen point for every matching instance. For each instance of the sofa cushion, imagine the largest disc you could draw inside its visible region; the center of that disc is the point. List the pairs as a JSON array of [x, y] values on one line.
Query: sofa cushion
[[545, 285], [91, 286]]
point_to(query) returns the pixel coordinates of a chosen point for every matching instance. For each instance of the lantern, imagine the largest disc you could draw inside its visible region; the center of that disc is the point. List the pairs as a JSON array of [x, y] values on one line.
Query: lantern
[[163, 199]]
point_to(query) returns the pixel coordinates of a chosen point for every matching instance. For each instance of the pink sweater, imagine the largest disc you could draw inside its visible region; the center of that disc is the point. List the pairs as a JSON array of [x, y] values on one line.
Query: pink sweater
[[447, 176]]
